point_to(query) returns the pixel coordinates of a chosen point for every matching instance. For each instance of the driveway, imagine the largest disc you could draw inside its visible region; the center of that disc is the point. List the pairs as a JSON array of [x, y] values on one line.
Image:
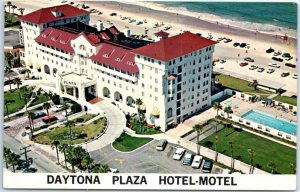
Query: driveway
[[143, 160], [116, 123]]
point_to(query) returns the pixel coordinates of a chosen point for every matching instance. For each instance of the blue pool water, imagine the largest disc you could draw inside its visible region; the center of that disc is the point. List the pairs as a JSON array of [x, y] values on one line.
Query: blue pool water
[[271, 121]]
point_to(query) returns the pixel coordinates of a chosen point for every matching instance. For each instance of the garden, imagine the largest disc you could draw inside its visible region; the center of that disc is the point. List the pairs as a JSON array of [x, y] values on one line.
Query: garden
[[126, 143]]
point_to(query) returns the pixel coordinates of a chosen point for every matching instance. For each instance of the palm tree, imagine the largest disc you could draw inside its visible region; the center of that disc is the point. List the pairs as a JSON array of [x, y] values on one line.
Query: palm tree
[[255, 84], [217, 106], [104, 168], [198, 128], [8, 58], [65, 107], [62, 148], [71, 157], [49, 94], [47, 106], [13, 9], [17, 81], [228, 111], [272, 166], [55, 144], [13, 160], [7, 102], [70, 124], [231, 155], [251, 154], [293, 168], [8, 4], [6, 153], [31, 116], [28, 72], [7, 70], [216, 141], [87, 162], [21, 10], [139, 102]]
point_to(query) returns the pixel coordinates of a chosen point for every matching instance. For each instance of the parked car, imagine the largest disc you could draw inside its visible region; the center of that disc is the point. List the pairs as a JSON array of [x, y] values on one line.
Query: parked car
[[290, 65], [33, 95], [5, 126], [285, 74], [260, 70], [270, 50], [113, 14], [252, 67], [161, 145], [295, 76], [243, 64], [57, 108], [62, 119], [242, 45], [249, 59], [288, 58], [197, 162], [277, 53], [236, 44], [208, 164], [274, 65], [277, 59], [39, 114], [270, 71], [178, 153], [286, 55], [220, 39], [227, 40], [69, 112], [48, 119], [188, 159], [222, 61]]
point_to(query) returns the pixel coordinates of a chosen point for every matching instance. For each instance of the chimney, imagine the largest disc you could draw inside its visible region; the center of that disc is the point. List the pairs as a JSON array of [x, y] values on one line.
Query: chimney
[[127, 32], [100, 25]]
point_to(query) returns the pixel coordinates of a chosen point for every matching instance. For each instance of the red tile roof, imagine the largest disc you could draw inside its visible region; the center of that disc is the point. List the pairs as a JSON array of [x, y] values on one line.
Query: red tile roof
[[117, 57], [175, 46], [161, 33], [57, 38], [45, 15]]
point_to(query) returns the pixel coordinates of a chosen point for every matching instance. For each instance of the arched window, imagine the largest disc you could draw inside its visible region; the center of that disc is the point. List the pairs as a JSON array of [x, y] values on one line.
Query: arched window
[[82, 47], [47, 69], [170, 112]]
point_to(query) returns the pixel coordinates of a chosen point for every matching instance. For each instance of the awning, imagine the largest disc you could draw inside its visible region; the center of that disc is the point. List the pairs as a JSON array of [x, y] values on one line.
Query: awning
[[142, 107], [29, 64], [37, 66], [171, 122], [155, 111]]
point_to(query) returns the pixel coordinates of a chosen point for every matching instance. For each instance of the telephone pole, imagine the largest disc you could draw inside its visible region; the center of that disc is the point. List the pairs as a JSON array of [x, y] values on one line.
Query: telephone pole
[[25, 153]]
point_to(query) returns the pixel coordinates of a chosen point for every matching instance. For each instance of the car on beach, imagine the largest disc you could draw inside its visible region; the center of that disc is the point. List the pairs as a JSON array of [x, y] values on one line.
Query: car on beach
[[252, 67], [227, 40], [178, 153], [260, 70], [243, 64], [207, 166], [277, 53], [197, 162], [139, 22], [295, 76], [64, 1], [222, 61], [274, 65], [285, 74], [288, 58], [199, 34], [286, 55], [277, 59], [242, 45], [188, 158], [168, 27], [236, 44], [290, 65], [71, 3], [113, 14], [270, 70], [249, 59], [209, 37], [270, 50], [221, 39]]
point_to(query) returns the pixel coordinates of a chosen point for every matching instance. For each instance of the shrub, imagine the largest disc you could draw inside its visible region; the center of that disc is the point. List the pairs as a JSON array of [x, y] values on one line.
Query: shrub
[[79, 120], [23, 134], [76, 107]]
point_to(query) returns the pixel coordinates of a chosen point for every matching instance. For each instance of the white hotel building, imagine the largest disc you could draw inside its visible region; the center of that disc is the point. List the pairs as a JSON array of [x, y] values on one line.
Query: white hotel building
[[171, 76]]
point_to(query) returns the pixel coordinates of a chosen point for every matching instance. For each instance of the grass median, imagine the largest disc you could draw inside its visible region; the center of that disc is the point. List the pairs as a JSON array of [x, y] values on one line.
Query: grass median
[[126, 143]]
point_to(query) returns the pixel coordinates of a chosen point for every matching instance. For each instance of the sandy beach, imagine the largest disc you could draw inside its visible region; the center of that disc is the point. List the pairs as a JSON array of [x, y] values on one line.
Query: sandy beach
[[258, 42]]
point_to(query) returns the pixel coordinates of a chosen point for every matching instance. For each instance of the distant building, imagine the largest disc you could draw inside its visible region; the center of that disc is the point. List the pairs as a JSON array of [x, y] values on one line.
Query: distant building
[[172, 76]]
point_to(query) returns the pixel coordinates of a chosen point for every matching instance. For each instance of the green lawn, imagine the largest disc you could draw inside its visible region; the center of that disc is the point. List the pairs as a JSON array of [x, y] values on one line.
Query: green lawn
[[285, 99], [17, 103], [80, 133], [39, 99], [239, 84], [11, 20], [84, 118], [145, 129], [265, 150], [127, 143]]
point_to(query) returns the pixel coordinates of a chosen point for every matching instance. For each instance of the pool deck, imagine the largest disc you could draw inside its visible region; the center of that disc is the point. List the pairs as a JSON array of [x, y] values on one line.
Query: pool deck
[[245, 106]]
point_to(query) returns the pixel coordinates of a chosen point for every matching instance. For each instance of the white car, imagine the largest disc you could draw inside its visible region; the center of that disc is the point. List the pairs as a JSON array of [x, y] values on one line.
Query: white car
[[112, 170], [5, 126], [270, 71], [197, 162], [274, 65], [178, 153], [295, 76], [69, 112], [57, 108]]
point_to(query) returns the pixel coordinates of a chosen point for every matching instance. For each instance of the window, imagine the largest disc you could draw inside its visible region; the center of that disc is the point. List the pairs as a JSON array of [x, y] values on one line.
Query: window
[[138, 56], [170, 112], [156, 81], [156, 98], [180, 59]]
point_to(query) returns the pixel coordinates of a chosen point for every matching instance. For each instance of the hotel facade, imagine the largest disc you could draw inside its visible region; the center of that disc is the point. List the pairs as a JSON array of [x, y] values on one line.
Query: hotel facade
[[171, 76]]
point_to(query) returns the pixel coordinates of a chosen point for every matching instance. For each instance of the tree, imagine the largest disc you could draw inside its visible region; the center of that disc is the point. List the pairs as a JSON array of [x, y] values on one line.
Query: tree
[[13, 160], [251, 154], [28, 72], [139, 102], [272, 166], [70, 124], [7, 70], [31, 116], [217, 106], [71, 157], [231, 155], [198, 128], [101, 168], [62, 148], [47, 106], [65, 107], [228, 111], [17, 81], [293, 168], [13, 9], [7, 102], [21, 10], [8, 4], [87, 162], [8, 58], [255, 84], [216, 141], [76, 108], [26, 96], [55, 144], [6, 153]]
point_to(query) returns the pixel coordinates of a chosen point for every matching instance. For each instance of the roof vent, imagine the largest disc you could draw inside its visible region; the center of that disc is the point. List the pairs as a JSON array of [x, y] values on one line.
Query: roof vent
[[105, 55], [62, 41], [43, 35], [118, 59], [129, 63]]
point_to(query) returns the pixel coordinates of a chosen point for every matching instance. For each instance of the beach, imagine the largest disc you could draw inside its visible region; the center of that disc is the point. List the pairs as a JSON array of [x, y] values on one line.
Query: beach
[[258, 42]]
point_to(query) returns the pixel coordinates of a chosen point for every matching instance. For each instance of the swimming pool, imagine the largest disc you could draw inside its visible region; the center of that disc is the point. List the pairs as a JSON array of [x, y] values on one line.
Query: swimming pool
[[271, 121], [232, 103]]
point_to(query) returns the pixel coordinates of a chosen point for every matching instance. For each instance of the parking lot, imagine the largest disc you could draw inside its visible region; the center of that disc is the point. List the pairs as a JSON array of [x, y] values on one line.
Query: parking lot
[[145, 160]]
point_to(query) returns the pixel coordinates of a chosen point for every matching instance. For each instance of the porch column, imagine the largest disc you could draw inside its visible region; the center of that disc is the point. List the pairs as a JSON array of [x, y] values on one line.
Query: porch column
[[74, 91], [65, 89]]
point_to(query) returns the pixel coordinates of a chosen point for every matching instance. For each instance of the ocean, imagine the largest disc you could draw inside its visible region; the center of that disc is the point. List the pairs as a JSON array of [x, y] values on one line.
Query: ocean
[[268, 17]]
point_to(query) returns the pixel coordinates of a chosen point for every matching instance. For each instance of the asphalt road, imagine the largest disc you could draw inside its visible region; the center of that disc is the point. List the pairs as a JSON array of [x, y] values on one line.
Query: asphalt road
[[42, 164]]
